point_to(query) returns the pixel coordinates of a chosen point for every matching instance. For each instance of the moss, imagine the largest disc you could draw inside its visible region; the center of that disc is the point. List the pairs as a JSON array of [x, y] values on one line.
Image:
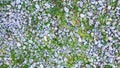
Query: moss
[[108, 66]]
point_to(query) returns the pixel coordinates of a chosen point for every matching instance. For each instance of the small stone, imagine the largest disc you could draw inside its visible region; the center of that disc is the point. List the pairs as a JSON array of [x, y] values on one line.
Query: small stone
[[45, 38], [100, 45], [84, 1], [89, 14], [100, 2], [36, 0], [91, 22], [18, 1], [88, 66], [19, 6], [110, 38], [110, 60], [13, 3], [18, 44], [47, 5], [24, 47], [30, 41], [92, 1], [8, 6], [41, 9], [55, 28], [118, 1], [18, 24], [100, 8], [67, 15], [96, 24], [59, 31], [80, 4], [118, 58], [80, 40], [110, 48], [82, 15], [9, 39], [71, 33], [118, 33], [65, 59], [66, 9], [37, 6], [41, 66], [109, 7], [112, 28], [63, 33], [107, 23], [33, 65]]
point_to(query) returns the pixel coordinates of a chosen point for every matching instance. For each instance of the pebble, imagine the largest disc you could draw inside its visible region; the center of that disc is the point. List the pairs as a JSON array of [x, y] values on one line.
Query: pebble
[[109, 7], [80, 40], [100, 8], [37, 6], [100, 2], [89, 13], [41, 66], [66, 9], [18, 1], [30, 41], [82, 15], [45, 38], [36, 0], [110, 38], [80, 4], [19, 6], [100, 45], [18, 44], [108, 23], [92, 1], [47, 5]]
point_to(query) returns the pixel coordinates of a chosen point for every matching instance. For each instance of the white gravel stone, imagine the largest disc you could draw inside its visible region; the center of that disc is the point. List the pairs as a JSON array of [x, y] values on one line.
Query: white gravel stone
[[41, 66], [8, 7], [47, 5], [33, 65], [18, 24], [66, 9], [67, 15], [109, 7], [108, 23], [19, 6], [100, 2], [63, 33], [18, 44], [110, 38], [110, 48], [36, 0], [37, 6], [45, 38], [80, 4], [80, 40], [30, 41], [100, 45], [13, 3], [89, 13], [82, 15], [100, 8], [92, 1], [18, 1], [24, 47]]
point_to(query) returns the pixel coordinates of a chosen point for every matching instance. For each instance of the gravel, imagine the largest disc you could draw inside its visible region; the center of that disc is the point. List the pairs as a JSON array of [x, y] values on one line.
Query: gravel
[[35, 34]]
